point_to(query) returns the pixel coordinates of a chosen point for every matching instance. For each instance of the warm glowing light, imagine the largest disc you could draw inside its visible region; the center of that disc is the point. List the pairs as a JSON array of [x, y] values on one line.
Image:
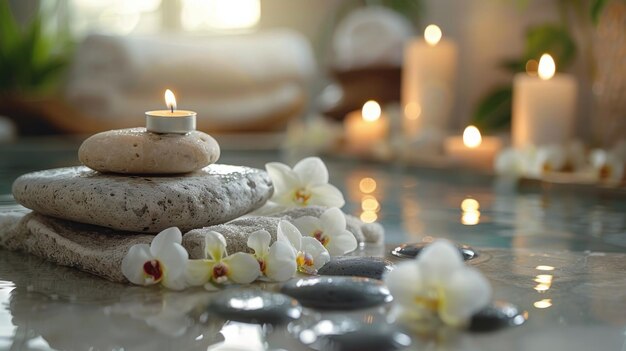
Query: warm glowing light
[[432, 34], [472, 137], [531, 67], [544, 268], [470, 218], [470, 204], [544, 278], [547, 67], [369, 216], [367, 185], [412, 110], [542, 287], [371, 111], [545, 303], [220, 14], [370, 204], [170, 100]]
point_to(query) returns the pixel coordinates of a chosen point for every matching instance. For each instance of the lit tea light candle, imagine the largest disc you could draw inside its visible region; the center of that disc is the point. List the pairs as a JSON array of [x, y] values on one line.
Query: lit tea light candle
[[366, 127], [428, 74], [170, 120], [472, 149], [543, 106]]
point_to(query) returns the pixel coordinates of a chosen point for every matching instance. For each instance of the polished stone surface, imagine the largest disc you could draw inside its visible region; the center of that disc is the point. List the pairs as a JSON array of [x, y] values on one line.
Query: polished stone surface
[[337, 293], [496, 316], [412, 250], [368, 267], [255, 306], [555, 253]]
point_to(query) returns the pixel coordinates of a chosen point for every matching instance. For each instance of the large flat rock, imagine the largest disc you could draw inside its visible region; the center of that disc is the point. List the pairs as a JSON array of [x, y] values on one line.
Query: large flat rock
[[213, 195]]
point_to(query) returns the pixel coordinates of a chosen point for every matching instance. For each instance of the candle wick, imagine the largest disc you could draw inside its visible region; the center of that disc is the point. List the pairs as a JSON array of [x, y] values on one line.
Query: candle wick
[[172, 108]]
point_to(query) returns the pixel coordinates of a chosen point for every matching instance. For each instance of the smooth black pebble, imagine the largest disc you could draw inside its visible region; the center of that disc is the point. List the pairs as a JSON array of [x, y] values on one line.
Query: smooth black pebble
[[496, 316], [368, 267], [337, 293], [255, 306], [344, 335], [412, 250]]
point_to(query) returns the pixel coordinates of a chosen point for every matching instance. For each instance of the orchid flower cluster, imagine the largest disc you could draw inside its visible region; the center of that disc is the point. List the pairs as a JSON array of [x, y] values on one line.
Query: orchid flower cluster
[[534, 162], [303, 246], [437, 285]]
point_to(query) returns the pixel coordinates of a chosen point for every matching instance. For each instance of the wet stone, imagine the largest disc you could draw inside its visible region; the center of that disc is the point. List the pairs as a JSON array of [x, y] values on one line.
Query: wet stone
[[337, 293], [412, 250], [496, 316], [255, 306], [349, 335], [368, 267]]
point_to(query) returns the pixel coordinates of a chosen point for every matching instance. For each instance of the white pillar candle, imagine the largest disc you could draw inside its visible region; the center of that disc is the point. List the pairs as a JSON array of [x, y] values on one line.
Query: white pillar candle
[[472, 149], [171, 120], [367, 127], [428, 76], [543, 106]]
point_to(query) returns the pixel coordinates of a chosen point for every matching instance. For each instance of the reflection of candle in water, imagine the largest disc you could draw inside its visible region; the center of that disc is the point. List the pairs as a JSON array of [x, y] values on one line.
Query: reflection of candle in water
[[543, 106], [470, 215], [472, 149], [170, 120], [545, 303], [369, 203]]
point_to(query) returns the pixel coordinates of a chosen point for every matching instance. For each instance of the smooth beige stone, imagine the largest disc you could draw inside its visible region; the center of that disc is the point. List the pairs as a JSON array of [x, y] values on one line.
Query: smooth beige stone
[[136, 151]]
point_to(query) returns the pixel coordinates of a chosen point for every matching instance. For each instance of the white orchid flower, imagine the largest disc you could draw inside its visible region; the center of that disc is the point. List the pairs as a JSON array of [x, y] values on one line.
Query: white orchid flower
[[219, 267], [329, 230], [276, 262], [304, 185], [551, 158], [438, 283], [608, 166], [163, 261], [310, 254]]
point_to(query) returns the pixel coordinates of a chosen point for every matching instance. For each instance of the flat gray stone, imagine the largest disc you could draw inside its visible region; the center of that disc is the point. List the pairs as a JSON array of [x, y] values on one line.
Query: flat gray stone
[[213, 195], [137, 151], [255, 306], [368, 267], [337, 293]]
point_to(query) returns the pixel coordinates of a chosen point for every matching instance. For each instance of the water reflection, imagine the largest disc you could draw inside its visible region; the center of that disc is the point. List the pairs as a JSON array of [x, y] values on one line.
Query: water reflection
[[545, 303]]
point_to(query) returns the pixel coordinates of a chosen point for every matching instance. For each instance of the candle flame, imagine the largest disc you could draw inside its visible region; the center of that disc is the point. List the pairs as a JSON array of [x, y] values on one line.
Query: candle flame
[[432, 34], [371, 111], [472, 137], [170, 100], [546, 67]]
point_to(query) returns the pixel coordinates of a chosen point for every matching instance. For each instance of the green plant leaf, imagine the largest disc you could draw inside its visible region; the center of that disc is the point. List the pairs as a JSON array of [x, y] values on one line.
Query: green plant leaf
[[596, 9], [552, 39], [494, 110]]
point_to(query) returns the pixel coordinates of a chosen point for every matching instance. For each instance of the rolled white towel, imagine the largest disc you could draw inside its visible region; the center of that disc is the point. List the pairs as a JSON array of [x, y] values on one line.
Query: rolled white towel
[[149, 64]]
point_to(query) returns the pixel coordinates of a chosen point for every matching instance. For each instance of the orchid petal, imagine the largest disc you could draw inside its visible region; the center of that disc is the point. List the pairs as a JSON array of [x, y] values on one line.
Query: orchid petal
[[281, 262], [259, 241], [166, 237], [316, 250], [198, 272], [326, 195], [283, 178], [341, 243], [405, 282], [132, 264], [288, 232], [439, 260], [465, 292], [243, 268], [311, 171], [174, 257], [178, 282], [333, 220], [308, 225], [215, 246]]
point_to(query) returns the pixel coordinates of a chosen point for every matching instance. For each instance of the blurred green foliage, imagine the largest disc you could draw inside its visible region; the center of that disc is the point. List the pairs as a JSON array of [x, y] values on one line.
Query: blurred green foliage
[[28, 61]]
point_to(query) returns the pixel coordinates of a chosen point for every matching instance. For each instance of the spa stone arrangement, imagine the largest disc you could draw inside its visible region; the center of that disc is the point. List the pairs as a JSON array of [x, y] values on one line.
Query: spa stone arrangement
[[276, 235]]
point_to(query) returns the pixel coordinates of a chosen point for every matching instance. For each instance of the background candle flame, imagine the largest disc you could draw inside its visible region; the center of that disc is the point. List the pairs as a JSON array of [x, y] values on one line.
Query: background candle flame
[[547, 67], [170, 100], [432, 34], [472, 137], [371, 111]]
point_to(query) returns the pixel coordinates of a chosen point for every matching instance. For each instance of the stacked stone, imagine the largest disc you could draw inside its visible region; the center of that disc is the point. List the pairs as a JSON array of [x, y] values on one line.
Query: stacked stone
[[137, 181]]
